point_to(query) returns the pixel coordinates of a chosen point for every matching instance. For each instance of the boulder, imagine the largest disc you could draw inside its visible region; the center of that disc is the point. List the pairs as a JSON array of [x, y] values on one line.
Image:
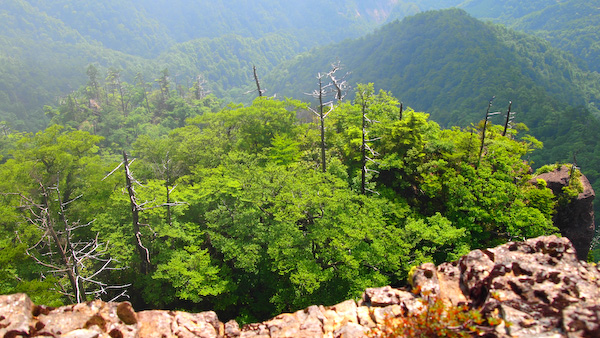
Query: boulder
[[538, 287], [575, 220]]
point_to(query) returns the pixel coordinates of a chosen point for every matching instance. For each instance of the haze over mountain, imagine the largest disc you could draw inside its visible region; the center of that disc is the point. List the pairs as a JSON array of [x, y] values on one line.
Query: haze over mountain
[[46, 45]]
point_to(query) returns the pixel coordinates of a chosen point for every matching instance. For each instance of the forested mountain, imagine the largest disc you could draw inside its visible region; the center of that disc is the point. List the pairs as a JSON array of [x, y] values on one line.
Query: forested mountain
[[450, 65], [503, 11], [42, 60], [447, 62], [570, 25], [47, 45], [146, 183], [144, 27]]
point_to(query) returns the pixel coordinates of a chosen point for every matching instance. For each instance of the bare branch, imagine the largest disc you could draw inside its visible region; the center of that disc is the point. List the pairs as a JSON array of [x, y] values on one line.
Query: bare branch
[[56, 249], [172, 204], [110, 173]]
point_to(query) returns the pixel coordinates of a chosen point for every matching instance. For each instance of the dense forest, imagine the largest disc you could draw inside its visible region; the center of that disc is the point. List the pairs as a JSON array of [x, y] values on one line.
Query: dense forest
[[450, 64], [244, 208], [46, 45], [139, 158]]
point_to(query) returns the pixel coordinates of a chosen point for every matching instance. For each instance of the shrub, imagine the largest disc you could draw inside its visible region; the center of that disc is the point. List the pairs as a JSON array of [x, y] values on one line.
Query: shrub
[[436, 320]]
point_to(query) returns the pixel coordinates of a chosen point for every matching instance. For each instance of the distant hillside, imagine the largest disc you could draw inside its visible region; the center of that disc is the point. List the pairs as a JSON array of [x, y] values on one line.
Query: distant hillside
[[147, 28], [42, 59], [226, 62], [450, 65], [45, 46], [118, 25], [502, 11], [571, 25]]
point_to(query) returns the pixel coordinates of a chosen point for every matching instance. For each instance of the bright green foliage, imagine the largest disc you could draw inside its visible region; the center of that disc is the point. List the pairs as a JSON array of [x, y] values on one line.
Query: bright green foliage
[[251, 129], [434, 171], [191, 275], [236, 215], [492, 201], [291, 235], [432, 237], [46, 180], [285, 150]]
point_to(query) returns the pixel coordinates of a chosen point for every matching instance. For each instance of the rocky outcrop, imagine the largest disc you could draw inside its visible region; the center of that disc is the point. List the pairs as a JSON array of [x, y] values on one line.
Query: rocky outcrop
[[575, 220], [536, 288]]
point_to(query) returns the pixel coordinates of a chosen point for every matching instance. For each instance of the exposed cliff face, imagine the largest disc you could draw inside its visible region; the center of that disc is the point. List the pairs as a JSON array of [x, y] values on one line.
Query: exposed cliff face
[[575, 219], [537, 286]]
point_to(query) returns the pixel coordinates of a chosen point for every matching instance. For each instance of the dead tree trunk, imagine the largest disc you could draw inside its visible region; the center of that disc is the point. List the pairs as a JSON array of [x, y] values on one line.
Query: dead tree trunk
[[336, 87], [322, 120], [487, 116], [70, 269], [168, 188], [61, 253], [401, 110], [340, 84], [509, 117], [364, 98], [260, 91], [143, 252], [364, 150], [141, 82]]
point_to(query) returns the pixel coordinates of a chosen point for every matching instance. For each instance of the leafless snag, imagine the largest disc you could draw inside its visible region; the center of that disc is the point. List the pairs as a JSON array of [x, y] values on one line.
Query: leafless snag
[[62, 253], [510, 115], [114, 81], [143, 252], [136, 208], [260, 91], [164, 85], [401, 110], [335, 86], [5, 128], [199, 89], [321, 94], [140, 79], [340, 84], [485, 123], [364, 97]]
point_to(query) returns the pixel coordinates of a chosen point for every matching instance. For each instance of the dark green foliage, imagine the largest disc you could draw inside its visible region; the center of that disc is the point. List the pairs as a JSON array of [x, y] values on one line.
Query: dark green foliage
[[568, 25]]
